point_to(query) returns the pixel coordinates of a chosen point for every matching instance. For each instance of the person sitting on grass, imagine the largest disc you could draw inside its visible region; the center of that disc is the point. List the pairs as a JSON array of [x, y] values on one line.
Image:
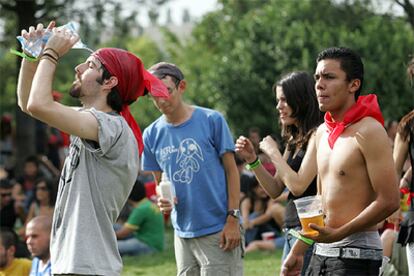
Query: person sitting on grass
[[143, 232], [259, 213], [266, 244]]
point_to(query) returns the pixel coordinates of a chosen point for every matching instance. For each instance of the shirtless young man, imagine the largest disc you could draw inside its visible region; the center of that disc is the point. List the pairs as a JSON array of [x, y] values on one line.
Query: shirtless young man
[[356, 177]]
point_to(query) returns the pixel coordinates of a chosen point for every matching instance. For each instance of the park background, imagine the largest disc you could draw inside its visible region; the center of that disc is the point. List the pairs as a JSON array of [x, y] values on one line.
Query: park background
[[231, 57]]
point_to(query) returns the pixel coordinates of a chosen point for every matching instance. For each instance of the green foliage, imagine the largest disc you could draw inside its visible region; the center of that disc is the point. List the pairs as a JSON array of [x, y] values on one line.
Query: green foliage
[[146, 49], [7, 81], [236, 54]]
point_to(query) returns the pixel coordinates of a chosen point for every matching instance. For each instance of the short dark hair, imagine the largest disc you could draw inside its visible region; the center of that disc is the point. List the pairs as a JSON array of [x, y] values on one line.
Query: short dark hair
[[163, 69], [8, 237], [5, 184], [32, 159], [299, 91], [113, 99], [138, 191], [350, 62]]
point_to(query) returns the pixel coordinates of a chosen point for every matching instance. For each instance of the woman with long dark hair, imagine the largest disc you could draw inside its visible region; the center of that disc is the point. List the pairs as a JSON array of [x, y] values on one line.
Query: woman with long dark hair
[[299, 117], [45, 198], [44, 201], [403, 148]]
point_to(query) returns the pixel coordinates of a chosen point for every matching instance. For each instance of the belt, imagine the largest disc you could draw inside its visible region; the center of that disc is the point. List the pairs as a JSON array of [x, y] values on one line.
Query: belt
[[349, 252]]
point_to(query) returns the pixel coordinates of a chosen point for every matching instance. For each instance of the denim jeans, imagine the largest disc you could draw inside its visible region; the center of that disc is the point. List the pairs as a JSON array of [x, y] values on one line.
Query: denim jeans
[[250, 234], [133, 246]]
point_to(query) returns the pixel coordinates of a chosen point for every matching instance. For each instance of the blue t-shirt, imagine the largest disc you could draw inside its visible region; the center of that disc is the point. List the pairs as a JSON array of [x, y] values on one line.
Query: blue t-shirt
[[190, 154], [47, 270]]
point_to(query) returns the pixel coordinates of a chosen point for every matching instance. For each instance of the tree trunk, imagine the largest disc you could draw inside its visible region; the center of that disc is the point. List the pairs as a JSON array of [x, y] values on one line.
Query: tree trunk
[[25, 125], [408, 9]]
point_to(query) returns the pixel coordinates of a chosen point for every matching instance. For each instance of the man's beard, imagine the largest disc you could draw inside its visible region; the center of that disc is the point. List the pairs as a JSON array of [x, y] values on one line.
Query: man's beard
[[75, 90]]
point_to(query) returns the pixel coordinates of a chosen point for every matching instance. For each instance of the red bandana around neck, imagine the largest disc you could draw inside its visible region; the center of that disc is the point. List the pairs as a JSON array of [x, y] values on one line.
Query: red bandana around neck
[[366, 106]]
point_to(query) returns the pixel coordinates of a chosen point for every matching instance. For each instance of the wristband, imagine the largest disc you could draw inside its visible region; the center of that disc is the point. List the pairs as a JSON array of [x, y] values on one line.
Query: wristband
[[297, 235], [52, 50], [254, 164], [49, 57], [23, 55]]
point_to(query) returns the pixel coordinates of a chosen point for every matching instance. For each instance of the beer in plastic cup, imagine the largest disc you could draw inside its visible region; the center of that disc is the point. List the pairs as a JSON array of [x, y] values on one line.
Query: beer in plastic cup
[[309, 211]]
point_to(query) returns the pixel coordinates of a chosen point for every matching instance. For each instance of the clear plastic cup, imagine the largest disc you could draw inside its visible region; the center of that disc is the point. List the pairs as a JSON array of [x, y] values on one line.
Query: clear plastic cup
[[310, 211]]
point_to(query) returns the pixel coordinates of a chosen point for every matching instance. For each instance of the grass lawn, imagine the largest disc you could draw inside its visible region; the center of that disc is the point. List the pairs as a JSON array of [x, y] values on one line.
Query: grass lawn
[[161, 264]]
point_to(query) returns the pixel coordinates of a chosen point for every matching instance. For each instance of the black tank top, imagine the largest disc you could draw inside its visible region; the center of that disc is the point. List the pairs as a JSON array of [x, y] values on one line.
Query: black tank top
[[291, 216]]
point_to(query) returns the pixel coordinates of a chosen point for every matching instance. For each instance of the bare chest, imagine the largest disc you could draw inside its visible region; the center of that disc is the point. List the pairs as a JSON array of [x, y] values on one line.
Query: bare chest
[[344, 160]]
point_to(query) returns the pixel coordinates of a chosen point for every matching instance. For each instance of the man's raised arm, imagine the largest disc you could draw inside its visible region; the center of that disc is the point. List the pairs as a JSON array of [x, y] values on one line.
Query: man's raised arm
[[28, 68], [27, 71], [35, 88]]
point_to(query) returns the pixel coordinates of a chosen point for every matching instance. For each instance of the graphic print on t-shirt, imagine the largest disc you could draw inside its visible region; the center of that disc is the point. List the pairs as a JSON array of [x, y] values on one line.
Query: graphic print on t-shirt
[[66, 178], [188, 157]]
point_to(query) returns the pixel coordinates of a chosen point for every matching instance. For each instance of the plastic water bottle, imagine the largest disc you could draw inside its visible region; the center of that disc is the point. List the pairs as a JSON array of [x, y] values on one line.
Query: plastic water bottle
[[35, 47], [166, 188]]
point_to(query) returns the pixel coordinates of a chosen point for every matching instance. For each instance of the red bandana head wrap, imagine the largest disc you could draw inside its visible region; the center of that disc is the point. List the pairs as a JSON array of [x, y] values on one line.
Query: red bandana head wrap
[[366, 106], [133, 80]]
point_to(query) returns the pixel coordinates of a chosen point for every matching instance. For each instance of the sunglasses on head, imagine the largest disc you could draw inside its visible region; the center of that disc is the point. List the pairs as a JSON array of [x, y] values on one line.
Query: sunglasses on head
[[5, 194]]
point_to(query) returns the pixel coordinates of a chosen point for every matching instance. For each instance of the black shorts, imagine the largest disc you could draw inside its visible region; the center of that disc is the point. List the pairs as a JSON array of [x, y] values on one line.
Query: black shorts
[[335, 266]]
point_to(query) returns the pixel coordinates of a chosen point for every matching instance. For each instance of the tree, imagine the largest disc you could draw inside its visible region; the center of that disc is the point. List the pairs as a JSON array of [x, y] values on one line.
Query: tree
[[408, 8], [237, 53], [169, 19], [26, 13], [186, 16], [20, 14]]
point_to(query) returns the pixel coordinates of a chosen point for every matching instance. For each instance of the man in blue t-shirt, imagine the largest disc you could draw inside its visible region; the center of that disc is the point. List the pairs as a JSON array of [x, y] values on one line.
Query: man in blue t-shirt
[[194, 147]]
